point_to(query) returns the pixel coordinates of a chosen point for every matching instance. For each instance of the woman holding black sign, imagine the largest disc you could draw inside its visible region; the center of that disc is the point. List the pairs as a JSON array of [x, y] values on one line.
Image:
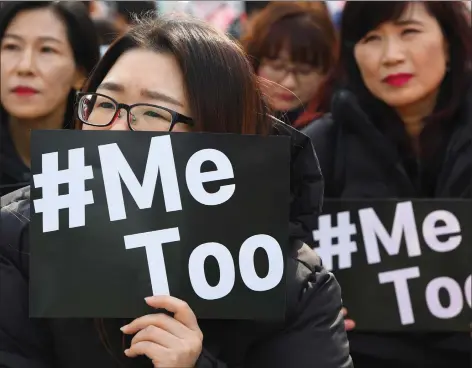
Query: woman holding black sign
[[400, 127], [189, 78], [47, 51]]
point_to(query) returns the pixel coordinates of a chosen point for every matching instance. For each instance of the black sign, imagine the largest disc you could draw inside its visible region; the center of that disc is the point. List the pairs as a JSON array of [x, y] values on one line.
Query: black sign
[[402, 265], [119, 216]]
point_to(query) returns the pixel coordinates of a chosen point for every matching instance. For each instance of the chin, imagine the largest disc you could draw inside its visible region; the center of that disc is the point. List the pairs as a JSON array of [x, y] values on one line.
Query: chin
[[284, 106], [27, 112], [400, 99]]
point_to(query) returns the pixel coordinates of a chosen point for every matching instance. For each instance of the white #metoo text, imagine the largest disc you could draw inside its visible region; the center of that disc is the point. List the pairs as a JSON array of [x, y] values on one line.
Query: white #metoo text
[[336, 241], [116, 169]]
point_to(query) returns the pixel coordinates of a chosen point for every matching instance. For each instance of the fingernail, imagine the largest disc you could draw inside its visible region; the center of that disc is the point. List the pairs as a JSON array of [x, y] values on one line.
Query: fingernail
[[148, 298], [124, 327], [126, 351]]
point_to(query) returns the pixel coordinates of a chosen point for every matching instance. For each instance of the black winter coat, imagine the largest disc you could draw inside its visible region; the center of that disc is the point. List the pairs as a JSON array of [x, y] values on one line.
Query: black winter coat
[[14, 174], [312, 336], [358, 161]]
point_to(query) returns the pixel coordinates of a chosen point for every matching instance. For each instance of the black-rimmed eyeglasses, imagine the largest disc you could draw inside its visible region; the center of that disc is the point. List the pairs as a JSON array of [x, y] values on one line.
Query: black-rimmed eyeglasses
[[99, 110]]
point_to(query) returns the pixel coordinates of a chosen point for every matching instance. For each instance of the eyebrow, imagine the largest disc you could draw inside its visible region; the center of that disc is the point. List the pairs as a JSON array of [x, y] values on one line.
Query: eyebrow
[[115, 87], [42, 38], [407, 22]]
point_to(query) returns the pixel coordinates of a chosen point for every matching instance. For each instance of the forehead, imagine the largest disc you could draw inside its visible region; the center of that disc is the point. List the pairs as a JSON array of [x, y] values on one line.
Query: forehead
[[364, 17], [37, 23], [285, 56], [416, 11], [140, 69]]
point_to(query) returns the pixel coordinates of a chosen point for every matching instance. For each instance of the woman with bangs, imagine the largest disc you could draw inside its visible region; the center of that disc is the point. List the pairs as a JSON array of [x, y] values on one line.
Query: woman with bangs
[[293, 46], [400, 126]]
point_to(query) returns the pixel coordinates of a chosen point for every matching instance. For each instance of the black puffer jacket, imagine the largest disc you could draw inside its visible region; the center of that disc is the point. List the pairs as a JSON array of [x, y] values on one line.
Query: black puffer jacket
[[313, 335], [14, 174], [358, 161]]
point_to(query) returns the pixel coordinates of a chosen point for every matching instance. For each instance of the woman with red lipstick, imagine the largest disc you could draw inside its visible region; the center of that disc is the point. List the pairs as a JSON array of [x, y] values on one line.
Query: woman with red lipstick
[[401, 127], [292, 46], [47, 51]]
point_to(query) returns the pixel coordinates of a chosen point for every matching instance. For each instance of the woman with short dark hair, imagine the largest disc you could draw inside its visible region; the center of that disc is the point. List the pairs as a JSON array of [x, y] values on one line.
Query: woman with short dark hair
[[401, 127]]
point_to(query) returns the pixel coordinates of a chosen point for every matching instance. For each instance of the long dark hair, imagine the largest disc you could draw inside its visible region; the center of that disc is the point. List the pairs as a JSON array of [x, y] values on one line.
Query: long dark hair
[[80, 32], [360, 17], [221, 88]]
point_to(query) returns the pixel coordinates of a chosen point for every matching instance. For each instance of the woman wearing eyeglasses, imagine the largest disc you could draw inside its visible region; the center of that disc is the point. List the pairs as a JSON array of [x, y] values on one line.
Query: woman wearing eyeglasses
[[293, 46], [180, 75]]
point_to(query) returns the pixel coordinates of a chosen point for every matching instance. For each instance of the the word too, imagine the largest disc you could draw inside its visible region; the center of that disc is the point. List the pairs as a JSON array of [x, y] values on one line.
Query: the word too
[[441, 232], [153, 242]]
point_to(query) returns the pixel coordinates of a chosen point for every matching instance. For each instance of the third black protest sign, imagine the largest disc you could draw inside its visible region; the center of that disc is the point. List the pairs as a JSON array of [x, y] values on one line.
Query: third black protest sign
[[143, 207], [402, 264]]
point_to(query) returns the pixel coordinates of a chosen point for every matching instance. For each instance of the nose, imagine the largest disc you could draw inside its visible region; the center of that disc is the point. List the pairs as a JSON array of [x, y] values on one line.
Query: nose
[[120, 121], [289, 81], [26, 62], [393, 51]]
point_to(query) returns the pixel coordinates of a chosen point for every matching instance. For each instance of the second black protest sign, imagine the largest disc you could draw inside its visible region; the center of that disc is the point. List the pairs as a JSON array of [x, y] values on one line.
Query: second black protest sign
[[185, 214], [402, 264]]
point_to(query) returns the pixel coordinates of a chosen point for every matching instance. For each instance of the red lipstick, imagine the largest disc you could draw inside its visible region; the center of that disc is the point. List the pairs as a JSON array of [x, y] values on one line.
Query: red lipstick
[[286, 97], [25, 91], [398, 80]]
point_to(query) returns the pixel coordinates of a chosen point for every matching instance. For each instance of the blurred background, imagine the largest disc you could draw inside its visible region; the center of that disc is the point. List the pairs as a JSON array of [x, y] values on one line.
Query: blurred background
[[219, 13]]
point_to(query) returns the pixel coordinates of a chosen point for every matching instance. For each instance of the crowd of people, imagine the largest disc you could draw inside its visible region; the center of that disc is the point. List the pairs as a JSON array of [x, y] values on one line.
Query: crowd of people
[[378, 104]]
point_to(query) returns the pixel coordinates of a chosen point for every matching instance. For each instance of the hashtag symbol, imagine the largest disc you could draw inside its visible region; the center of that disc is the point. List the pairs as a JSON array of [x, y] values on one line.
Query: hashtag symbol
[[51, 202], [336, 240]]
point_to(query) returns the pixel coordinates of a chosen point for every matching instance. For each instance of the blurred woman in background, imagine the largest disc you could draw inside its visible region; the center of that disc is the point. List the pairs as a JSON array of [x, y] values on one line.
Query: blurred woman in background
[[47, 50], [293, 45], [401, 127]]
